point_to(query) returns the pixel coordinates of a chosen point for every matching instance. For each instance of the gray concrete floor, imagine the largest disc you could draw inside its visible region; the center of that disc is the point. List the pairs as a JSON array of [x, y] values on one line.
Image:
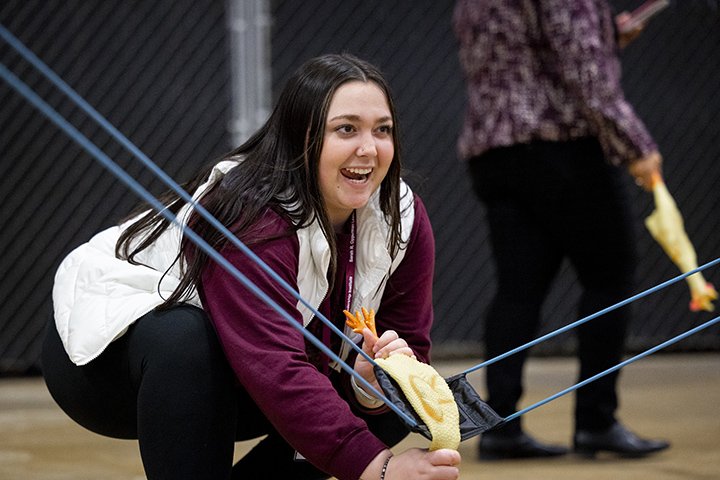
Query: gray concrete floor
[[672, 396]]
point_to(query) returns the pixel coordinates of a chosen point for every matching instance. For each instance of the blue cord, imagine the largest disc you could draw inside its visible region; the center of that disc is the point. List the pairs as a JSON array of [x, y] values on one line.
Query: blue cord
[[167, 180], [590, 317], [123, 176], [91, 148], [620, 365]]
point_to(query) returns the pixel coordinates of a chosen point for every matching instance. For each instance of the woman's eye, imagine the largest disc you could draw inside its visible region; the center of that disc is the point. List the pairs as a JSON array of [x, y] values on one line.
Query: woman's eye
[[345, 129], [386, 129]]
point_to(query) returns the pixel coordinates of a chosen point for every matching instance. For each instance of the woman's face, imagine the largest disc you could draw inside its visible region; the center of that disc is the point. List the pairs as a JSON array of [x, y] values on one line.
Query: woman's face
[[357, 150]]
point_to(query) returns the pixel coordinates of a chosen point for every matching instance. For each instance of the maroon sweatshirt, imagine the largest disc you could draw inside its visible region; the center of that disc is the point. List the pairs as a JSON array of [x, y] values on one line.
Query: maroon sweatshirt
[[269, 355]]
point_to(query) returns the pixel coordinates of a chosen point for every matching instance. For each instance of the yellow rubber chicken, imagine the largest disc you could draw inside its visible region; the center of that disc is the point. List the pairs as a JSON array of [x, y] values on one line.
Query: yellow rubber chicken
[[666, 226], [428, 393]]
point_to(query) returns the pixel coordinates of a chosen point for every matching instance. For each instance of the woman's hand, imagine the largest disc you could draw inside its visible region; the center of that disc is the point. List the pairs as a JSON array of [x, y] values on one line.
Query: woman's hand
[[626, 36], [416, 463], [388, 344], [645, 169]]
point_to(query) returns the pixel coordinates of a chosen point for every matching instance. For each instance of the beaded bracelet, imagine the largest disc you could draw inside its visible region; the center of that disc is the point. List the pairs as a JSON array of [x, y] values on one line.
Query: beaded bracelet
[[384, 468]]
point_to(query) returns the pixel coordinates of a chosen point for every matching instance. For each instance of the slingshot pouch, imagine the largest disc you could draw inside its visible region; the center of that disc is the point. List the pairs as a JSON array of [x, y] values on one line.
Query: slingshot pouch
[[476, 416]]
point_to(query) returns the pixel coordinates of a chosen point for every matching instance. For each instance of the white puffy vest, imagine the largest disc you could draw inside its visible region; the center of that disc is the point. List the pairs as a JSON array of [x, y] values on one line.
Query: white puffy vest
[[97, 296]]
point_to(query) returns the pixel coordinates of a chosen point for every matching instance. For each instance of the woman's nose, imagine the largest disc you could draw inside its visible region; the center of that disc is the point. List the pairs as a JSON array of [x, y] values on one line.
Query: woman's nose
[[367, 149]]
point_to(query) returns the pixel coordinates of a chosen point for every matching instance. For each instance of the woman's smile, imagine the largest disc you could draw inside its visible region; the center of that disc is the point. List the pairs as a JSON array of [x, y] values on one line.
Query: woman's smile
[[356, 174]]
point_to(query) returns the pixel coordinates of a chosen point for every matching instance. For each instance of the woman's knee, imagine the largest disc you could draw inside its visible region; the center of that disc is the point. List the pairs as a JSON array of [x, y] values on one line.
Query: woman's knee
[[185, 387], [179, 346], [181, 335]]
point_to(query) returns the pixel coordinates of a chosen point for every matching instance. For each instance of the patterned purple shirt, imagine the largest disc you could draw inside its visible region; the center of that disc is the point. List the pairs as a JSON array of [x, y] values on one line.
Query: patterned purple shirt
[[544, 70]]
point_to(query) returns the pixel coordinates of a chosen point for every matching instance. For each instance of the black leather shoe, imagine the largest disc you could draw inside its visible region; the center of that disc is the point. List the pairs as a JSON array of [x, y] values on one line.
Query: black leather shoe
[[616, 439], [522, 445]]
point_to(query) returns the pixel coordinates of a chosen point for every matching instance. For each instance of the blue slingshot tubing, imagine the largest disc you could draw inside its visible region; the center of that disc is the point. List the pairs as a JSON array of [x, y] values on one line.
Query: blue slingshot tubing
[[116, 170], [99, 155]]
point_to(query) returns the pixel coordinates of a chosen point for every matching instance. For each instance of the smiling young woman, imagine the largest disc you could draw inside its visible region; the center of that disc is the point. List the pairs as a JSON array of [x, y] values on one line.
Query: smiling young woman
[[154, 341]]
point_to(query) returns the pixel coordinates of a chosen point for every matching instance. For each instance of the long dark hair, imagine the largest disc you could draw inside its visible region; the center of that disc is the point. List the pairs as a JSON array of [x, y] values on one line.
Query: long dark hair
[[279, 170]]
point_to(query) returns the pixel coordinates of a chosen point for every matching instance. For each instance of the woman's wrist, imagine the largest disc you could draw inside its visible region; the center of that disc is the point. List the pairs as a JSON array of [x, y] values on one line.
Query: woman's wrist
[[364, 398], [377, 469]]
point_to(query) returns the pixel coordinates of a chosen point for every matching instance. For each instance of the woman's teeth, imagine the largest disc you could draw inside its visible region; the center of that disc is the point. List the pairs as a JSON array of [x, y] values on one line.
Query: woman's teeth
[[356, 173]]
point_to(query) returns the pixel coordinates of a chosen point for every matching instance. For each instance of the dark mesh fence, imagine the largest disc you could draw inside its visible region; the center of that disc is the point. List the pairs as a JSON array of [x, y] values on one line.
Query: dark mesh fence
[[159, 72]]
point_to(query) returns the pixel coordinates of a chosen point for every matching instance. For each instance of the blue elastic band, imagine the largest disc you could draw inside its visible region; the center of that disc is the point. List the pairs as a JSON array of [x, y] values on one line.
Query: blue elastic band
[[620, 365], [167, 180], [590, 317], [145, 195], [91, 148]]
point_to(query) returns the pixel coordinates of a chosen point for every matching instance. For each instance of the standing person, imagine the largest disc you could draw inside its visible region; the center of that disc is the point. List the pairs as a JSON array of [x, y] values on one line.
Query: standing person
[[547, 135], [154, 341]]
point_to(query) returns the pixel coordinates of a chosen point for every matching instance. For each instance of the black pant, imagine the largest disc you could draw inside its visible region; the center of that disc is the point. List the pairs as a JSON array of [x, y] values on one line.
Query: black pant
[[166, 382], [546, 202]]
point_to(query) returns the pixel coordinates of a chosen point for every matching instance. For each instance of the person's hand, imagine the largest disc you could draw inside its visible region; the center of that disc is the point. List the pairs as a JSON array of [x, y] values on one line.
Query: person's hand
[[416, 463], [625, 37], [388, 344], [645, 169]]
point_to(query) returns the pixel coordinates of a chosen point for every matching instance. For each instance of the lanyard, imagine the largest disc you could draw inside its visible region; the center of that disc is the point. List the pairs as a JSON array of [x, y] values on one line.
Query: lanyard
[[350, 271], [349, 283]]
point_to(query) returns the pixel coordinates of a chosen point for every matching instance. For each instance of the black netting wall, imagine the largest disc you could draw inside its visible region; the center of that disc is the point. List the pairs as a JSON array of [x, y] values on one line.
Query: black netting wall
[[671, 74], [159, 72]]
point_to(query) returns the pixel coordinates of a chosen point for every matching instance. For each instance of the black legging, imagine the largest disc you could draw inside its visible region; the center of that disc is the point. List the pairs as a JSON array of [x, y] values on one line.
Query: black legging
[[546, 202], [167, 383]]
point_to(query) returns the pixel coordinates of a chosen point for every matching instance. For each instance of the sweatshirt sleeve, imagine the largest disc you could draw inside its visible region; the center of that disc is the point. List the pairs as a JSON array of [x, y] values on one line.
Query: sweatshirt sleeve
[[268, 357]]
